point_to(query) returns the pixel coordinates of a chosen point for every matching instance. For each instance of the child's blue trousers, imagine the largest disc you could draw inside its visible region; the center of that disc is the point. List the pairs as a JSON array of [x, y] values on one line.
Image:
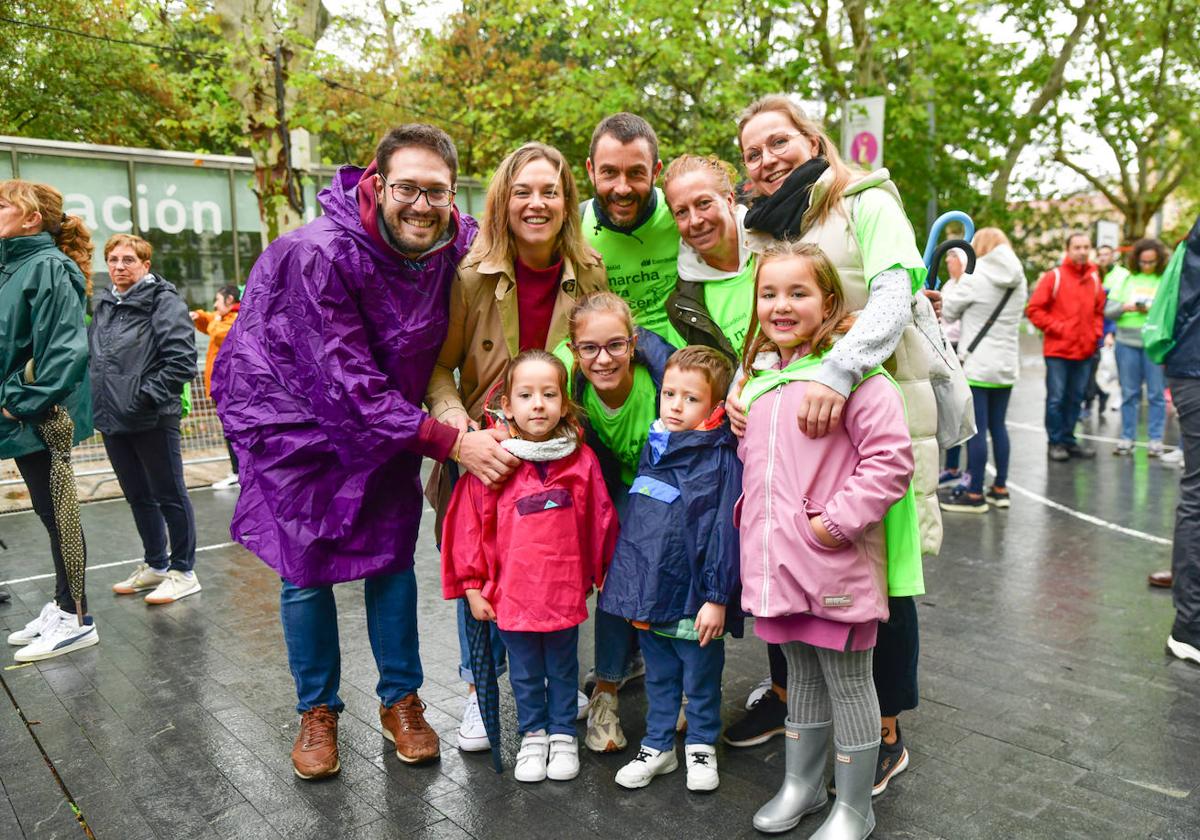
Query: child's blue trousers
[[675, 667], [544, 671]]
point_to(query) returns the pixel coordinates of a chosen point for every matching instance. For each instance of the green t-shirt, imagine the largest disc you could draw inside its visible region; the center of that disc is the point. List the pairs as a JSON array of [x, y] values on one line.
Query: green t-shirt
[[729, 303], [1130, 289], [641, 264], [885, 237], [626, 430], [1115, 276]]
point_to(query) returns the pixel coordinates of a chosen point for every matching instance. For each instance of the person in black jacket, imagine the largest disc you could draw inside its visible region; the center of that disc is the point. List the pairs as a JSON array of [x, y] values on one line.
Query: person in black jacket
[[143, 351]]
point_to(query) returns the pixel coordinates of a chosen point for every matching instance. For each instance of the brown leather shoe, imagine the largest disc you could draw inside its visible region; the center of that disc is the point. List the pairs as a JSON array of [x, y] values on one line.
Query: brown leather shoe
[[1164, 579], [404, 725], [315, 754]]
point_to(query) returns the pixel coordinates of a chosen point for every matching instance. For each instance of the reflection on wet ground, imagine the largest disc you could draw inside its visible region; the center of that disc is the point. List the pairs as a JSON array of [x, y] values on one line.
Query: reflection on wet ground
[[1048, 706]]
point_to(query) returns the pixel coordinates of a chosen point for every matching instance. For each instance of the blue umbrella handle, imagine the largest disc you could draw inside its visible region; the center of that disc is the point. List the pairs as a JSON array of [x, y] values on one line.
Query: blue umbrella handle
[[935, 232]]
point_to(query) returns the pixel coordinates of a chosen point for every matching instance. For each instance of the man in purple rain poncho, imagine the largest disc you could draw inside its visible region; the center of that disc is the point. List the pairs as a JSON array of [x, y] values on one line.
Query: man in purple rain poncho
[[319, 386]]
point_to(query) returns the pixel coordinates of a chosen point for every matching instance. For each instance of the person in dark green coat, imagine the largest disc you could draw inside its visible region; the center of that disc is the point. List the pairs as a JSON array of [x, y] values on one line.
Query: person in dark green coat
[[45, 274]]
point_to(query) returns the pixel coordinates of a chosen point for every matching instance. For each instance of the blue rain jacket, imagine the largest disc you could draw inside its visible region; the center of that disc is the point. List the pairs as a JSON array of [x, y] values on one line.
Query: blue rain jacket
[[678, 547]]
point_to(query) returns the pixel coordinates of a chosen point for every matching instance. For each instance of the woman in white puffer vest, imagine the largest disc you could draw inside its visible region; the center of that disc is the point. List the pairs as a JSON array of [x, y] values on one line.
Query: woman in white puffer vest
[[804, 191], [988, 303]]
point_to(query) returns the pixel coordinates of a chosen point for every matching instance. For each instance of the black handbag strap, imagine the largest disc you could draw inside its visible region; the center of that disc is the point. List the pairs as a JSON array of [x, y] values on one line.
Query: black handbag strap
[[988, 324]]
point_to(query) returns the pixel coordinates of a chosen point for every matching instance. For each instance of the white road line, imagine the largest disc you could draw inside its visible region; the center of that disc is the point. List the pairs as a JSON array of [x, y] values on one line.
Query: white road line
[[1086, 517], [1029, 427], [90, 568]]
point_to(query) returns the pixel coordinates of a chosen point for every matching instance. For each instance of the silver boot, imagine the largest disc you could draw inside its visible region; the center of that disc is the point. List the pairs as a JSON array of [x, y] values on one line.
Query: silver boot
[[806, 749], [851, 817]]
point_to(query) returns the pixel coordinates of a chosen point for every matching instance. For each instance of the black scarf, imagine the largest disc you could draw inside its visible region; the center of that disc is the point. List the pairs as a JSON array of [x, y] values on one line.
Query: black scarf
[[779, 214]]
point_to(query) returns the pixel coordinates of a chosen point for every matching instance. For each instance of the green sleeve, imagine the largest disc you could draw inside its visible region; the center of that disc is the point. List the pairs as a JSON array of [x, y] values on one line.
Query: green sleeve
[[885, 237]]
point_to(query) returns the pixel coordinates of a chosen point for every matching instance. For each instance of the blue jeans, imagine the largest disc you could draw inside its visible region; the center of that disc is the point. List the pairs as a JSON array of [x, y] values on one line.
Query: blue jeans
[[310, 631], [464, 648], [1134, 368], [1066, 384], [675, 667], [544, 673], [149, 468], [991, 406]]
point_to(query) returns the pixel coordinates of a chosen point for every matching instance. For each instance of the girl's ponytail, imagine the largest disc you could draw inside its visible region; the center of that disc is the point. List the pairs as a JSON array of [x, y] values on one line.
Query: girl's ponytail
[[74, 240]]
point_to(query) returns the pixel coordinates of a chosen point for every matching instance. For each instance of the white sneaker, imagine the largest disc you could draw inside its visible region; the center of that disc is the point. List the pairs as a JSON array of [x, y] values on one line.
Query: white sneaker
[[581, 705], [1124, 447], [1154, 449], [143, 577], [472, 734], [762, 688], [1183, 650], [604, 732], [34, 628], [63, 635], [225, 483], [1173, 458], [177, 585], [648, 764], [531, 758], [564, 758], [701, 767]]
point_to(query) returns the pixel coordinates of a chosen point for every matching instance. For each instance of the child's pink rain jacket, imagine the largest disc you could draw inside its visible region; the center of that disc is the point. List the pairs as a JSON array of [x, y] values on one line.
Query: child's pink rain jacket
[[850, 478]]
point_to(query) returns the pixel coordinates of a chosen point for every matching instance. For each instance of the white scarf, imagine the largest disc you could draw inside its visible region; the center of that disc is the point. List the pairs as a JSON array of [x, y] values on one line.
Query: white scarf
[[553, 449]]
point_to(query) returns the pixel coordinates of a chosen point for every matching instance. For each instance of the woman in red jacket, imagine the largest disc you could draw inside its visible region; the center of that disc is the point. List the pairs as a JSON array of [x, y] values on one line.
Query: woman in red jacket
[[527, 554]]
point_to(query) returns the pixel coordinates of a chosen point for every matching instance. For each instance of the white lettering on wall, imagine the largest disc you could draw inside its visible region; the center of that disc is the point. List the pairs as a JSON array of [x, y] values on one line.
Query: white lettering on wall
[[78, 204], [110, 218], [214, 211], [173, 206]]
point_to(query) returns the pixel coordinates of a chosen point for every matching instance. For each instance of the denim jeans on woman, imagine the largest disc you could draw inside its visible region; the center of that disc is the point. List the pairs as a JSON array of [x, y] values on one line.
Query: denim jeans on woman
[[991, 407], [1135, 369]]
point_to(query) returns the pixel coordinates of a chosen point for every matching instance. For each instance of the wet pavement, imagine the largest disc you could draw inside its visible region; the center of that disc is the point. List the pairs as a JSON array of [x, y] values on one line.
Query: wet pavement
[[1048, 706]]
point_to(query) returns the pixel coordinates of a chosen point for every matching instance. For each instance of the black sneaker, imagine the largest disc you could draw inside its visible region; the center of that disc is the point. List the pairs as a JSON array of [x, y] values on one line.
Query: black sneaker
[[1078, 450], [960, 500], [893, 760], [1058, 452], [4, 596], [997, 496], [766, 719]]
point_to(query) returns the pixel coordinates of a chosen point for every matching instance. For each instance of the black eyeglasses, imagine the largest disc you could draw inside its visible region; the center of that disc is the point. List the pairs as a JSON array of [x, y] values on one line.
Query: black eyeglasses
[[407, 193], [616, 348]]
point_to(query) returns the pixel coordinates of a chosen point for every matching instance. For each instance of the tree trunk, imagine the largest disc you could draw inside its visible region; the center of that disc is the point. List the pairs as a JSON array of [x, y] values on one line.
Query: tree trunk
[[264, 61]]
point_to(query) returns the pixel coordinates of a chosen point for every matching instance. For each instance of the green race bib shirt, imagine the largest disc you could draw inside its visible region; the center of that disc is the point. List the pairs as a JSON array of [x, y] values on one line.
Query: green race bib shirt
[[626, 430], [641, 264]]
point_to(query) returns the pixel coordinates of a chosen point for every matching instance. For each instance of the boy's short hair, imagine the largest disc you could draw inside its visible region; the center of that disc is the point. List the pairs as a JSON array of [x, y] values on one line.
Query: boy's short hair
[[711, 363]]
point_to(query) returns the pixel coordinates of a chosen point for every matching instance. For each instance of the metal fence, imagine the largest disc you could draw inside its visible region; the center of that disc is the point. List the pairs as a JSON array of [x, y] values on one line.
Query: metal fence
[[202, 441]]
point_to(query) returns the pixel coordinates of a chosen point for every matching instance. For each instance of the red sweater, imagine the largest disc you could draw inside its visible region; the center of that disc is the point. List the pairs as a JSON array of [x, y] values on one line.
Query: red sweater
[[1070, 317], [537, 289]]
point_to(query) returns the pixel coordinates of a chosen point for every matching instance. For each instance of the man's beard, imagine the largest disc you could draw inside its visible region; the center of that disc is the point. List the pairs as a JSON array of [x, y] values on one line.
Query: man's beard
[[405, 243]]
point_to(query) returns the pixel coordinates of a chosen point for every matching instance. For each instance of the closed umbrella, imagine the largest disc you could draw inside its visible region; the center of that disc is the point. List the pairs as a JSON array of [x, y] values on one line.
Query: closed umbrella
[[57, 431], [487, 684]]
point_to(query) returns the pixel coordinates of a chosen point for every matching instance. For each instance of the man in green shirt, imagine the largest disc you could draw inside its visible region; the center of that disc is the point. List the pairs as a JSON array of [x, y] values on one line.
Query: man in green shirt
[[628, 221]]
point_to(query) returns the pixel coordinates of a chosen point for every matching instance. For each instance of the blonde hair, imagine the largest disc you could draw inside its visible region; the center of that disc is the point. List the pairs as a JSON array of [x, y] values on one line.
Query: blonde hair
[[496, 241], [988, 239], [843, 173], [712, 364], [829, 284], [142, 249], [69, 232], [723, 173], [608, 302]]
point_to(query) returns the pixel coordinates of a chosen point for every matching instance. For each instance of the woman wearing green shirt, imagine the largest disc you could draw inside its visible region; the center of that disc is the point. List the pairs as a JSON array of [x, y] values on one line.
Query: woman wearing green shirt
[[1129, 300], [714, 293], [617, 374]]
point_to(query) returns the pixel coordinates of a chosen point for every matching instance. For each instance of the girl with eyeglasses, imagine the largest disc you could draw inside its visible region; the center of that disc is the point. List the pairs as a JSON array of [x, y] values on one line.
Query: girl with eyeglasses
[[617, 374]]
